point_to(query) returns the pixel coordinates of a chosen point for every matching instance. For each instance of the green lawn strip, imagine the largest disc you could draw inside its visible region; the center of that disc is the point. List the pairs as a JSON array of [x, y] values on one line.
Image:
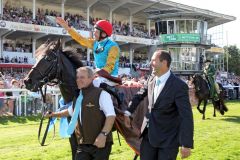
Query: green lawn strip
[[216, 138]]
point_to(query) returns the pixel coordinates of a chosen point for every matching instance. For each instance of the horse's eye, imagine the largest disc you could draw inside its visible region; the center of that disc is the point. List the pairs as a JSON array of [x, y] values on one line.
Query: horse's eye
[[48, 58]]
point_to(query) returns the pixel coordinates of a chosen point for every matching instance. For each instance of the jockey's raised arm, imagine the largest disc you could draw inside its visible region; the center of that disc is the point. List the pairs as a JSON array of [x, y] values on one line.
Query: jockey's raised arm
[[105, 51]]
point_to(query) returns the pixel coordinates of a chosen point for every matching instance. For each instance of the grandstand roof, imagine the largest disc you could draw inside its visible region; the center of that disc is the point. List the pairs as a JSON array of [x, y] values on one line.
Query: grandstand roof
[[151, 9]]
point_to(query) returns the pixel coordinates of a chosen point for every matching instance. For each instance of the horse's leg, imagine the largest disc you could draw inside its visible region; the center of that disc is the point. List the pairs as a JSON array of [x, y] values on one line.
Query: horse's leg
[[214, 109], [73, 143], [221, 98], [204, 108], [198, 107], [135, 157]]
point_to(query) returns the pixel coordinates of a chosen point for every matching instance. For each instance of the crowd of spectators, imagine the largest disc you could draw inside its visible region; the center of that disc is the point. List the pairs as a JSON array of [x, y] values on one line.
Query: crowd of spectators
[[16, 59], [10, 80], [44, 17], [17, 47], [231, 84], [120, 28], [15, 80], [10, 100]]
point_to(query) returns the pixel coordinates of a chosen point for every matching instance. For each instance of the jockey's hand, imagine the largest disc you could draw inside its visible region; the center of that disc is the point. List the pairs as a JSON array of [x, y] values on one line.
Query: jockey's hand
[[62, 23], [101, 73], [48, 114], [100, 141], [185, 152]]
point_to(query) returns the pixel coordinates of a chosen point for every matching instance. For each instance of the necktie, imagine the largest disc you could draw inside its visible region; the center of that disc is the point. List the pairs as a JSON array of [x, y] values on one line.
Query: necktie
[[158, 82], [156, 89], [73, 122]]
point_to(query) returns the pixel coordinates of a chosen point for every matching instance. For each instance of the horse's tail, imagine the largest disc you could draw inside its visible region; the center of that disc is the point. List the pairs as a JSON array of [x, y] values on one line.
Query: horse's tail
[[217, 106], [220, 106], [224, 107]]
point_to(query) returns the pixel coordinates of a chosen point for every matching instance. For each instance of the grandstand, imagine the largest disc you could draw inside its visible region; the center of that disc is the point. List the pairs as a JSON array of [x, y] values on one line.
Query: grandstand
[[140, 26]]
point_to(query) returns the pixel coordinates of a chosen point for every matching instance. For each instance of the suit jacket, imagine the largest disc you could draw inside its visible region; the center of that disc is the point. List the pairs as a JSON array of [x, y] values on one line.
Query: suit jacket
[[170, 118]]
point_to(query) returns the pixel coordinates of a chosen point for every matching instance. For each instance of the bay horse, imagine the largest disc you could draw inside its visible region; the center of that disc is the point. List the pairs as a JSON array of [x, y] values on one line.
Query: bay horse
[[202, 92], [57, 65]]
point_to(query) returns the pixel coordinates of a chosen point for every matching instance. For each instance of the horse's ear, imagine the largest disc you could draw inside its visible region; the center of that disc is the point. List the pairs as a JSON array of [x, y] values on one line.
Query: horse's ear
[[59, 44], [47, 41], [50, 46]]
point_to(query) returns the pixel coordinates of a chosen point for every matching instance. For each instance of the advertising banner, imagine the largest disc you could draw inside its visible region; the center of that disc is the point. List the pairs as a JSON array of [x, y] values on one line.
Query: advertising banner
[[37, 28], [180, 38]]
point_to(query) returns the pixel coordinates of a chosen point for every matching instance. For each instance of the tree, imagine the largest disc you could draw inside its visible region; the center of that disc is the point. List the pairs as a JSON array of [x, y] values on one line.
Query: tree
[[233, 54]]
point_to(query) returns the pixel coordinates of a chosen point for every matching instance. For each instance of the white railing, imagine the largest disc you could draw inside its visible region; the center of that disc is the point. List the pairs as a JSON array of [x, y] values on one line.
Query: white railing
[[21, 99]]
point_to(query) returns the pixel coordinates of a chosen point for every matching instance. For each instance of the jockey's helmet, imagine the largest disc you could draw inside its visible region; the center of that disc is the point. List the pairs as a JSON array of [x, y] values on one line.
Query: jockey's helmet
[[105, 26]]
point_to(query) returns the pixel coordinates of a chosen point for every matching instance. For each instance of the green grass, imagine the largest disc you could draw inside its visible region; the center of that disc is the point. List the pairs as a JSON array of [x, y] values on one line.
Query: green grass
[[216, 138]]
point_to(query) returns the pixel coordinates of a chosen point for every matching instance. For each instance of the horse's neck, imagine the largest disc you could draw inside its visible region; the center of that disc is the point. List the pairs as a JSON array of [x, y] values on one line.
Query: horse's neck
[[67, 79], [203, 84], [68, 71], [67, 92]]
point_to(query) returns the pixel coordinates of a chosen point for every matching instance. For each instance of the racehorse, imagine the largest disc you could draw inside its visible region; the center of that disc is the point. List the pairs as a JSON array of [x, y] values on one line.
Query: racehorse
[[202, 92], [57, 65], [52, 64]]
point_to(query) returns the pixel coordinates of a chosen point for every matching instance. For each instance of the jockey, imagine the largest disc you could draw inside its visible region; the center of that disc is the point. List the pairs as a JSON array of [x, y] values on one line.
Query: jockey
[[106, 52], [209, 72]]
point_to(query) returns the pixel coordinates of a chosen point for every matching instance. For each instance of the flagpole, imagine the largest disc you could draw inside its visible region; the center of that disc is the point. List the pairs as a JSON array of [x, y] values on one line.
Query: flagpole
[[227, 49]]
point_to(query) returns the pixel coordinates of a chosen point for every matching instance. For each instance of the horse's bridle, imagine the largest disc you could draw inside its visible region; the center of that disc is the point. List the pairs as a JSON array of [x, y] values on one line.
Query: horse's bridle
[[45, 80], [55, 65]]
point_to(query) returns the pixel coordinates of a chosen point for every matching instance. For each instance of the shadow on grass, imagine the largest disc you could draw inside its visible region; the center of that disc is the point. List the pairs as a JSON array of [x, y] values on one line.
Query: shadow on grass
[[22, 120], [235, 119]]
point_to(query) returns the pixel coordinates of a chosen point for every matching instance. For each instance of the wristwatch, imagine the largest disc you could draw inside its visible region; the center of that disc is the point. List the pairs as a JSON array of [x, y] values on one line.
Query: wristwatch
[[104, 133]]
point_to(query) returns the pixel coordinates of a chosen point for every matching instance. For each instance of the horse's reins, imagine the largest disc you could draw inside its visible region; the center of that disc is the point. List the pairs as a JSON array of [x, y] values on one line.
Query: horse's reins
[[45, 79], [44, 109]]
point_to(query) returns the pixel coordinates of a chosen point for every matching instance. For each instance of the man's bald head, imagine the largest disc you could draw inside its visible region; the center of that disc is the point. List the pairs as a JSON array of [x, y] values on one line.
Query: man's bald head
[[164, 55]]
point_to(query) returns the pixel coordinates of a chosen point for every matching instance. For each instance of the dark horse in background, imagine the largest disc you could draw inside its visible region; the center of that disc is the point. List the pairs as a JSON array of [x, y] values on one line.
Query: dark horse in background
[[202, 92], [57, 65]]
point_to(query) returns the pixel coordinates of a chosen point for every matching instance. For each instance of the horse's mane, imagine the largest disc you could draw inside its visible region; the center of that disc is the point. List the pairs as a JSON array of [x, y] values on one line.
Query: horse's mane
[[70, 53], [46, 48], [201, 80], [199, 76], [73, 55]]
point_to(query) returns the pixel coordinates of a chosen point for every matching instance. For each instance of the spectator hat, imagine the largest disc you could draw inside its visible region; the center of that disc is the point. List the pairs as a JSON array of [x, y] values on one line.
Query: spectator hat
[[13, 81]]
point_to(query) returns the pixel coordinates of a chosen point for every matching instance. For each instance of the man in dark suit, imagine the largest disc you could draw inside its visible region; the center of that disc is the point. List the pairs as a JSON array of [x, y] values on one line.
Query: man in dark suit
[[168, 124]]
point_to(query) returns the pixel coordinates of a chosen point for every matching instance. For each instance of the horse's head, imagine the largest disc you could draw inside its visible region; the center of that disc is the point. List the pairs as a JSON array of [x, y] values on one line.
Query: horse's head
[[196, 80], [45, 68]]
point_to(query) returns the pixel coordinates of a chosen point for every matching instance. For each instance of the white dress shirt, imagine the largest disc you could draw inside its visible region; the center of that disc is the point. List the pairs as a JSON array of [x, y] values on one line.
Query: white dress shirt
[[163, 79]]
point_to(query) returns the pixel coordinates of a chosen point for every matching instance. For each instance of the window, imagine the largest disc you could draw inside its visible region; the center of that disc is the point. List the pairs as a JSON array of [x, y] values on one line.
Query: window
[[170, 27], [189, 26], [162, 27], [195, 28], [180, 26]]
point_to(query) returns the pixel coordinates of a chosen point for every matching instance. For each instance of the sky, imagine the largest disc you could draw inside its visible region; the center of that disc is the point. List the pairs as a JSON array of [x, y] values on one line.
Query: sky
[[231, 30]]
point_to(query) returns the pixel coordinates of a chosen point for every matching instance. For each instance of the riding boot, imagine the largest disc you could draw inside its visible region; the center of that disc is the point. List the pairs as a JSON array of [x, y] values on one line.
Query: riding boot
[[217, 88], [111, 90]]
